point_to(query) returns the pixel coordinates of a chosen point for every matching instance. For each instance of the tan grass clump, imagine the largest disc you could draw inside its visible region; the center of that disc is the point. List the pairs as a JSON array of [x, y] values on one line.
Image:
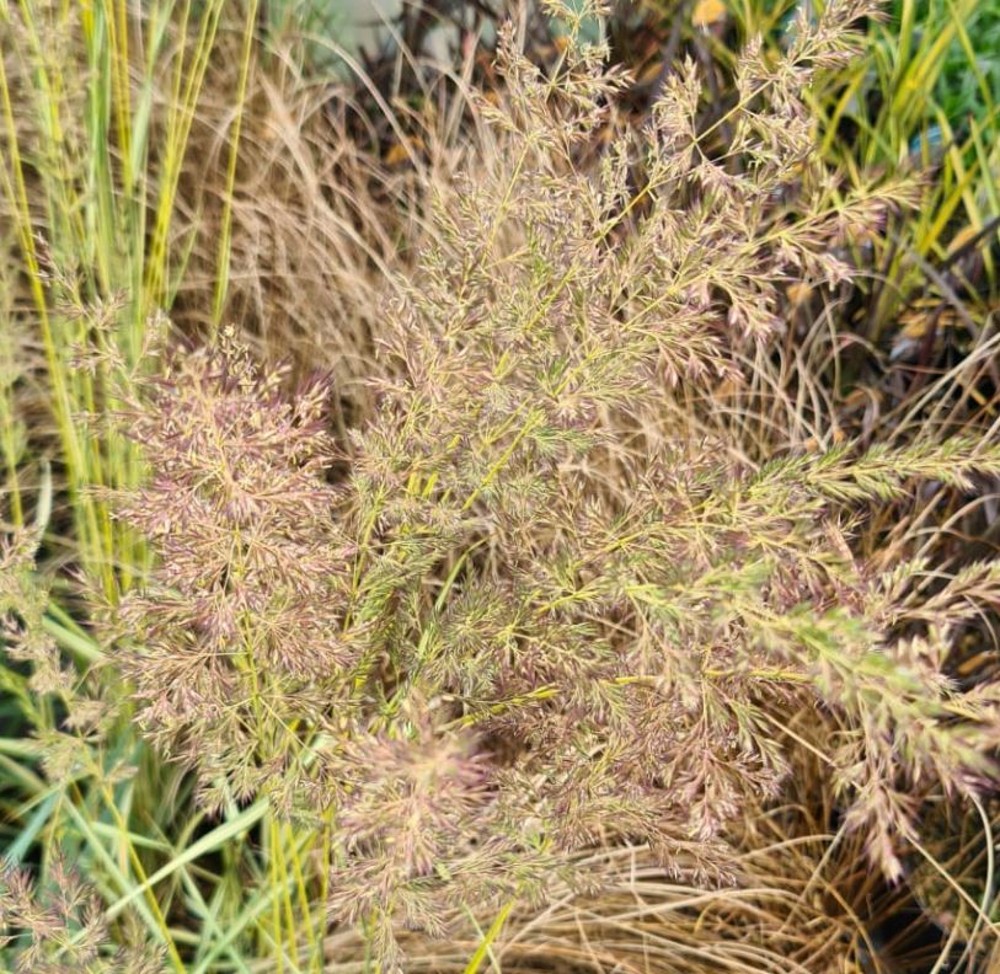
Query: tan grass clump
[[483, 662], [538, 615]]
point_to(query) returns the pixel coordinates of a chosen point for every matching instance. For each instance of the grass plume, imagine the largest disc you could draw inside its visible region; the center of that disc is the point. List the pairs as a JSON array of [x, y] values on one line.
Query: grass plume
[[472, 659]]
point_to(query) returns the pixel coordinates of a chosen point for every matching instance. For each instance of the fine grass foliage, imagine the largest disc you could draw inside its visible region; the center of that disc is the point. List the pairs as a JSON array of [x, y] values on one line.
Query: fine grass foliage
[[413, 679], [98, 103], [920, 99], [924, 99]]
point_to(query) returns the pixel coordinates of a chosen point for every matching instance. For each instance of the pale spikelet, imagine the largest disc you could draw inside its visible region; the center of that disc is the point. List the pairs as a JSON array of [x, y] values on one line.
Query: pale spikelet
[[59, 928], [237, 635]]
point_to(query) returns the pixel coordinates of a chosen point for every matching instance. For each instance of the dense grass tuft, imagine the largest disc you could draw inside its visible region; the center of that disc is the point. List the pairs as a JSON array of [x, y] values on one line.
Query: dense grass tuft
[[569, 618]]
